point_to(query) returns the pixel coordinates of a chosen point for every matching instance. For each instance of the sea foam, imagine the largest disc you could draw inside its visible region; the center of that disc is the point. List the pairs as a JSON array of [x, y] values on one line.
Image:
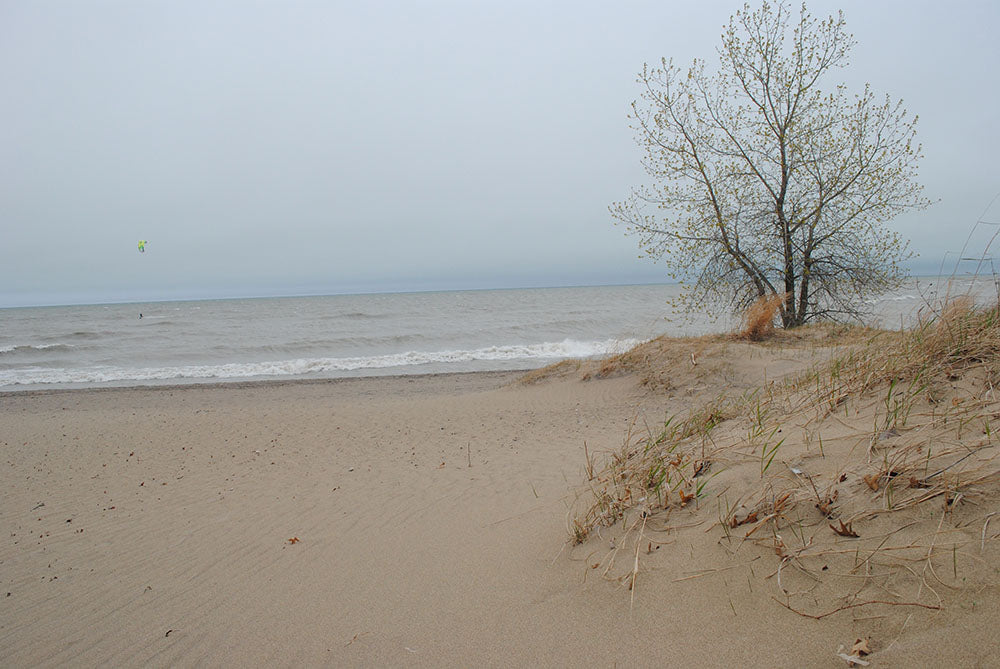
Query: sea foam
[[407, 362]]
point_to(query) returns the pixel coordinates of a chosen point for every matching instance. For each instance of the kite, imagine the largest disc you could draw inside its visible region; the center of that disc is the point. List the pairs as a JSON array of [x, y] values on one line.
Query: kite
[[142, 246]]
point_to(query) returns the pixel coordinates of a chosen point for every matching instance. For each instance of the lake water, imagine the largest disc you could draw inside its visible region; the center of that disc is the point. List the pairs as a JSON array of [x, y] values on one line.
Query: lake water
[[355, 335]]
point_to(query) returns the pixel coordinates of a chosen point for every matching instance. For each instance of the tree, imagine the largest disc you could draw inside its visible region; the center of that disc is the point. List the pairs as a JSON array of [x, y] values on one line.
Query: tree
[[763, 182]]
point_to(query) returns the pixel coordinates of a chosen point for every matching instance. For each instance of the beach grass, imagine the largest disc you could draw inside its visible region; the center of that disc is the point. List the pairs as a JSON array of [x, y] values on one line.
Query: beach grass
[[869, 479]]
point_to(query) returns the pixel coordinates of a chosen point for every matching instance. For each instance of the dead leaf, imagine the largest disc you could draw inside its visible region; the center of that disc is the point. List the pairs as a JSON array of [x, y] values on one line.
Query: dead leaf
[[872, 481], [845, 530], [860, 648], [293, 540], [737, 521], [826, 506], [685, 498]]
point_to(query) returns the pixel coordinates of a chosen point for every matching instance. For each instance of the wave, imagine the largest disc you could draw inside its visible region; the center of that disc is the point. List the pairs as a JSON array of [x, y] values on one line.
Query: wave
[[27, 348], [355, 314], [318, 366], [882, 299], [303, 346], [90, 334]]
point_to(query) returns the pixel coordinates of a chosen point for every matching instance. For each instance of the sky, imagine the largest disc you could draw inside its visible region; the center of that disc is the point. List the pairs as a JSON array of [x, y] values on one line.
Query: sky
[[277, 148]]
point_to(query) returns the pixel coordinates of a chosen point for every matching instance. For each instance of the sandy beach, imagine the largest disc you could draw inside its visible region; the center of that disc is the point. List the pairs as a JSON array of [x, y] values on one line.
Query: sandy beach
[[405, 521]]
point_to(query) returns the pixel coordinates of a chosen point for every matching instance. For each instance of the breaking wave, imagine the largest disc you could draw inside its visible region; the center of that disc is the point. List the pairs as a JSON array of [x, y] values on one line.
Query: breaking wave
[[301, 367]]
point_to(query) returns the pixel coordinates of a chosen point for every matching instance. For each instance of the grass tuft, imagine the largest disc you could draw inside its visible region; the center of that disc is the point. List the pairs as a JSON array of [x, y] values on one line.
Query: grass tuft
[[758, 319], [878, 465]]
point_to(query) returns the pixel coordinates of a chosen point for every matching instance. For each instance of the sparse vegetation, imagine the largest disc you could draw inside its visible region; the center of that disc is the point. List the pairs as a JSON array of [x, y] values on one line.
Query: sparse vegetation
[[555, 370], [878, 468]]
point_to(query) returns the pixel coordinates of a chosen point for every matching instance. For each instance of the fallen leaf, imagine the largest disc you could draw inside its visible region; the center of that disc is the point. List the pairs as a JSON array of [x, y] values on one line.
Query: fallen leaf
[[844, 530], [293, 540], [872, 481], [737, 521], [860, 648], [779, 547], [685, 498], [826, 506]]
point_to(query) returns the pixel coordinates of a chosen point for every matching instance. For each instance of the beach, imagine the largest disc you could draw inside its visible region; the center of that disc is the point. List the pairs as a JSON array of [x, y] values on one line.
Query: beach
[[391, 521]]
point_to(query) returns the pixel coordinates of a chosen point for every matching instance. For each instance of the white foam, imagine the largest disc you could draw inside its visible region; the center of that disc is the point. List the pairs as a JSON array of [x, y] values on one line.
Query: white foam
[[33, 347], [567, 348]]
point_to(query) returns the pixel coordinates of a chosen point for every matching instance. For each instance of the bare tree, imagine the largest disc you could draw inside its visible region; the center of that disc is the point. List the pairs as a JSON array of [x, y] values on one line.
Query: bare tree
[[766, 183]]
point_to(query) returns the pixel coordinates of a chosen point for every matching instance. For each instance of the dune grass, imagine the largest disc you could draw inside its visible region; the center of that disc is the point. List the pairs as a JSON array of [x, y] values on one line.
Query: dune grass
[[878, 466], [758, 319]]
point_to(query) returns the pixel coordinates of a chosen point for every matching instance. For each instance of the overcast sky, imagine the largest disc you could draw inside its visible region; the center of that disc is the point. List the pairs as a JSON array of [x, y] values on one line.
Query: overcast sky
[[267, 148]]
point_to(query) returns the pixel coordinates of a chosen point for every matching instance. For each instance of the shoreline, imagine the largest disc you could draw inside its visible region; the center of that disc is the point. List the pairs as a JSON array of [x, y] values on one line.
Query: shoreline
[[186, 385]]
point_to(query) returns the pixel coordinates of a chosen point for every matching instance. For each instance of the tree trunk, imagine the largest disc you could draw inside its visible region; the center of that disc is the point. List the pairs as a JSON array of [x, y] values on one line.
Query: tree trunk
[[789, 316]]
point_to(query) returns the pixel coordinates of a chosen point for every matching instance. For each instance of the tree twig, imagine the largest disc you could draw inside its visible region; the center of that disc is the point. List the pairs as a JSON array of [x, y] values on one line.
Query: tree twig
[[854, 606]]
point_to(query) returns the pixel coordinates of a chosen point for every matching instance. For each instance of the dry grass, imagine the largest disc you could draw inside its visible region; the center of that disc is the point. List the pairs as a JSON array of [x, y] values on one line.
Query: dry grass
[[877, 471], [658, 364], [669, 364], [758, 319]]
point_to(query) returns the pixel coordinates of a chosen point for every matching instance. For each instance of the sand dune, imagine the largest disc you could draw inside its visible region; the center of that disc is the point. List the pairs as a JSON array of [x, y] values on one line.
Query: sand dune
[[411, 521]]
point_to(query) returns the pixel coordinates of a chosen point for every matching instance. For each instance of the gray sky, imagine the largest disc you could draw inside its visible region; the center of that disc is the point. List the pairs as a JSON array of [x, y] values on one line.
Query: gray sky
[[268, 148]]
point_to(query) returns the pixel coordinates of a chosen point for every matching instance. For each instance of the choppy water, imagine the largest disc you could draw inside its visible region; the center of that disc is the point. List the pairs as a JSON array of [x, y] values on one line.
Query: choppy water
[[350, 335]]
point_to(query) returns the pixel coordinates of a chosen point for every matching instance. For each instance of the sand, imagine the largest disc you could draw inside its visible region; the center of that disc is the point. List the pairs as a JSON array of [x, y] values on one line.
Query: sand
[[406, 521]]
